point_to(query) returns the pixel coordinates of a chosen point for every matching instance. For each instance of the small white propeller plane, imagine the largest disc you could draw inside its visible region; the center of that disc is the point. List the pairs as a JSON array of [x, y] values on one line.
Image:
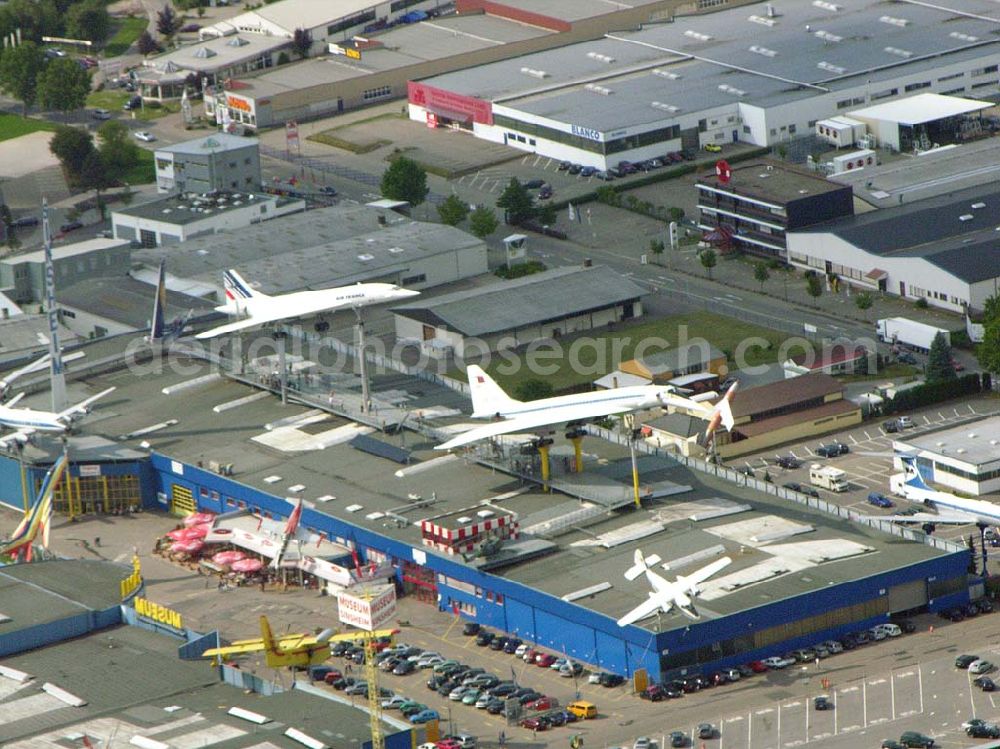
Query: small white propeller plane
[[489, 401], [259, 309], [665, 594]]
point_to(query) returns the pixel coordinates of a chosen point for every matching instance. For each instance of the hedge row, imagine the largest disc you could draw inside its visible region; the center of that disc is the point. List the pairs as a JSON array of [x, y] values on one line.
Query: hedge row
[[936, 392]]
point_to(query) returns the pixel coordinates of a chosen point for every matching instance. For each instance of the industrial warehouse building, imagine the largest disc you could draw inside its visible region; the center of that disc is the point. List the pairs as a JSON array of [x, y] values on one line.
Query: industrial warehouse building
[[943, 250], [328, 247], [376, 63], [541, 306], [964, 458], [739, 75], [488, 546]]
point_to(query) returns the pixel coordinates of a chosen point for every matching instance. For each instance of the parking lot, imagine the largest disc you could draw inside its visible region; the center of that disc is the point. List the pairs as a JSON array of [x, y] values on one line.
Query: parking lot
[[869, 463]]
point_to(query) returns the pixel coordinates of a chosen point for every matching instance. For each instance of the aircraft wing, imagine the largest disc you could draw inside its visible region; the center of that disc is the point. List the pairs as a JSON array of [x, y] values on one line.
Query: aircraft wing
[[354, 636], [237, 648], [529, 421], [20, 437], [81, 407], [951, 517], [271, 313], [644, 609], [708, 570]]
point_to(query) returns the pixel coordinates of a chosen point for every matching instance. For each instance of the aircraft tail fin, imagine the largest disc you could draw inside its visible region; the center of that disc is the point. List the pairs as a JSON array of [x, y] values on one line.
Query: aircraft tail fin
[[488, 398], [239, 293], [638, 567], [157, 326], [267, 636], [722, 413], [912, 472]]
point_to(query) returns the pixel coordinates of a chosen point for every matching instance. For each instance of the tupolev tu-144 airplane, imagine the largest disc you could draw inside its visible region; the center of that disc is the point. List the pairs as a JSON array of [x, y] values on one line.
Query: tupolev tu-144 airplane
[[666, 594], [511, 416], [259, 309]]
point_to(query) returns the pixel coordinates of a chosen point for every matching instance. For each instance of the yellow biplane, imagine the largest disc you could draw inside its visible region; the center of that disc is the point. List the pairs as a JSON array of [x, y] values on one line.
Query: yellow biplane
[[294, 650]]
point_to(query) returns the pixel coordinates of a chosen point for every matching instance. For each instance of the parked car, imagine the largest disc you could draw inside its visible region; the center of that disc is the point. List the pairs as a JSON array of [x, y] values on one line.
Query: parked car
[[575, 168], [611, 680], [394, 703], [890, 427], [424, 716], [588, 171], [832, 450], [404, 667], [980, 666], [653, 693], [671, 691], [678, 738], [705, 731], [497, 643], [471, 697], [25, 221], [495, 706], [712, 148], [965, 660], [916, 739], [603, 175], [879, 500], [788, 461], [544, 660], [822, 703], [758, 667], [570, 670], [542, 703], [777, 662], [534, 184], [101, 114], [563, 166], [535, 724], [332, 192], [70, 226], [484, 638], [987, 731], [511, 645], [134, 102], [985, 683], [642, 742], [905, 422], [503, 689]]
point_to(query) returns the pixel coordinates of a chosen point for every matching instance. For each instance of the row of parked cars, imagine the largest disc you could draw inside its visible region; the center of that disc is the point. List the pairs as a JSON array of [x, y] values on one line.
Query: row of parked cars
[[626, 168], [516, 647]]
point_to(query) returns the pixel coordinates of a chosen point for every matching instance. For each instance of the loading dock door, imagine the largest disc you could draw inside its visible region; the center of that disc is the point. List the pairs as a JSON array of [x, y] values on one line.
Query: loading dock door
[[181, 500], [908, 596]]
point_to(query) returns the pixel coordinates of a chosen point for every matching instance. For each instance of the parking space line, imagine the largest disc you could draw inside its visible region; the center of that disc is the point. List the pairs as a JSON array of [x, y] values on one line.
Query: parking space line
[[920, 682]]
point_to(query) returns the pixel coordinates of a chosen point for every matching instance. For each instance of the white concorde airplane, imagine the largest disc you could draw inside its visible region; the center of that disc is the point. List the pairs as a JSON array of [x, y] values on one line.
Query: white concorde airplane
[[489, 401], [665, 594], [259, 309]]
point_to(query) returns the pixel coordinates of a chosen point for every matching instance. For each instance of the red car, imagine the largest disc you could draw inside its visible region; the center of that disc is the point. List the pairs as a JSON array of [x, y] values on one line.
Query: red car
[[544, 660], [449, 744], [542, 703], [758, 667], [530, 656], [332, 676], [534, 724]]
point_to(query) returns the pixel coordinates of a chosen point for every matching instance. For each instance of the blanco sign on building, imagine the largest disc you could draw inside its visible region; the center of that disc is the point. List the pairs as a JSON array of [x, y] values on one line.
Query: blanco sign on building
[[367, 608]]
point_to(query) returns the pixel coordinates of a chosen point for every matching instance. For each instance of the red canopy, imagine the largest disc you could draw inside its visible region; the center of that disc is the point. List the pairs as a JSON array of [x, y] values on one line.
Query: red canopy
[[191, 546], [228, 557], [197, 518], [247, 565]]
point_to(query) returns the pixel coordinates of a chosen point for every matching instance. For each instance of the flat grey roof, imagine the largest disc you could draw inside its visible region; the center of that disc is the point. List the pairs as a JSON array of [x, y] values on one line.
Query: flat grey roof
[[128, 301], [292, 14], [32, 594], [915, 110], [185, 705], [771, 180], [356, 477], [842, 49], [214, 143], [22, 333], [316, 249], [181, 210], [209, 55], [402, 46], [974, 443], [66, 250], [945, 230], [572, 10], [526, 301]]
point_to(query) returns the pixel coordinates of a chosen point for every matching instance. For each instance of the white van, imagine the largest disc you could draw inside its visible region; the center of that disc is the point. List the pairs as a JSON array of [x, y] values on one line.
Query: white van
[[892, 630]]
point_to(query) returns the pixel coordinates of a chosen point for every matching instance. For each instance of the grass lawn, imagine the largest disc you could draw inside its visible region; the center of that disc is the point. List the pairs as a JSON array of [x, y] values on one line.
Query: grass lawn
[[113, 101], [14, 126], [605, 349], [144, 172], [155, 111], [128, 30]]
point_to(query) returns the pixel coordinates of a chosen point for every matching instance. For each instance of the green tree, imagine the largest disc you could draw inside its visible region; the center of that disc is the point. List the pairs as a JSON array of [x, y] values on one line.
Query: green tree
[[657, 247], [814, 285], [72, 146], [517, 203], [167, 22], [483, 221], [548, 214], [118, 152], [988, 352], [94, 176], [532, 390], [453, 210], [676, 214], [864, 302], [405, 180], [19, 71], [146, 44], [63, 85], [34, 19], [761, 274], [939, 367], [708, 260], [88, 20], [302, 42]]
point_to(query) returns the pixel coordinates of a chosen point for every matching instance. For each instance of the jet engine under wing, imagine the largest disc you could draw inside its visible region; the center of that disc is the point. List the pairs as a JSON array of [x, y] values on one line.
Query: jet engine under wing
[[543, 417]]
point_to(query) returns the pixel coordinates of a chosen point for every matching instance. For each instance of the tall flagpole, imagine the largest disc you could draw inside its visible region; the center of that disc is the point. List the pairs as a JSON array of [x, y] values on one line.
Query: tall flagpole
[[55, 350]]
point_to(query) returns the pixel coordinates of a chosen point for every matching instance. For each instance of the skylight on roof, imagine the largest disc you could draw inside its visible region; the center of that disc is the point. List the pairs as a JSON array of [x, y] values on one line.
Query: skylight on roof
[[831, 67], [762, 21], [893, 21], [963, 37], [665, 74], [726, 88], [595, 89], [535, 73], [822, 4], [599, 57], [697, 35], [665, 107], [757, 49], [826, 36], [899, 52]]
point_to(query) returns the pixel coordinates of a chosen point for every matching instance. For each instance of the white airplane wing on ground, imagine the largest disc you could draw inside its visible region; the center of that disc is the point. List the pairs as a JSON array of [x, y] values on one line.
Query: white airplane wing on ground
[[82, 406]]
